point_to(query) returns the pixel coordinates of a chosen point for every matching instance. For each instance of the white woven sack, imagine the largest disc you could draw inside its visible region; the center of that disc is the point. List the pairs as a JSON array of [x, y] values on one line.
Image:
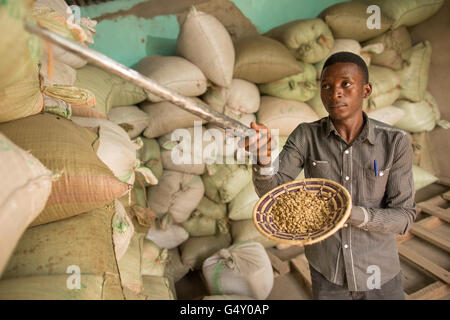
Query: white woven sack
[[166, 117], [25, 187], [186, 150], [116, 150], [175, 73], [132, 119], [177, 193], [243, 269], [205, 42], [61, 73], [390, 114], [284, 115], [169, 238], [241, 207], [123, 230]]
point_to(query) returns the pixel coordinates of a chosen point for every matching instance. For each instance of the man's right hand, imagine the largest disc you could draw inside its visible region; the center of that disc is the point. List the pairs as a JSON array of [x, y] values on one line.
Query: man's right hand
[[260, 144]]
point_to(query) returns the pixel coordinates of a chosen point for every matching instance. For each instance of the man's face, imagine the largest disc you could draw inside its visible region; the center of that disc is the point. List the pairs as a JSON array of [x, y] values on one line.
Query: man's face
[[343, 89]]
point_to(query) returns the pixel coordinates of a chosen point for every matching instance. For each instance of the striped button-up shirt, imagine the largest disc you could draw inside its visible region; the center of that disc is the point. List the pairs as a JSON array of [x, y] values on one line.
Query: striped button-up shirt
[[382, 197]]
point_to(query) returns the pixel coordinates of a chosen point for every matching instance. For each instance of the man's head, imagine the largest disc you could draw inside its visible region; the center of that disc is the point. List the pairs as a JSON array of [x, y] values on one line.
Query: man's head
[[344, 84]]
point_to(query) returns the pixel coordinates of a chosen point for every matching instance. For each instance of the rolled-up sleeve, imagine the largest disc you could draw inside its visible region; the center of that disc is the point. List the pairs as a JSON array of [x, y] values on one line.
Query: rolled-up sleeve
[[286, 166], [400, 211]]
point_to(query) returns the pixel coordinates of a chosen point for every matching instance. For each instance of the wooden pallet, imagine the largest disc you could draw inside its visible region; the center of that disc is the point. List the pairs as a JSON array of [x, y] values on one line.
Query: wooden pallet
[[422, 229]]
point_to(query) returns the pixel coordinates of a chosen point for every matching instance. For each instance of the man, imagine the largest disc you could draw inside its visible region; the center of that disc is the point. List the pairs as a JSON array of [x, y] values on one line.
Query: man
[[373, 161]]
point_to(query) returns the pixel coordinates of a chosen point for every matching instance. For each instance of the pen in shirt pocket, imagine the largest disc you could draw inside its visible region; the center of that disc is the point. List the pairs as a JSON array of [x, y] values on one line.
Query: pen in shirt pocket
[[375, 168]]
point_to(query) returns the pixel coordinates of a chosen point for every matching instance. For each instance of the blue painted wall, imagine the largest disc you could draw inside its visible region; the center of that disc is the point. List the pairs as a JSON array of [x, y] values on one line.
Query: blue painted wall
[[128, 38]]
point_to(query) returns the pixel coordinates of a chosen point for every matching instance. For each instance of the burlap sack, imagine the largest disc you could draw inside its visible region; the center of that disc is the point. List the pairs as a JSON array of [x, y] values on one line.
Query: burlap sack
[[420, 116], [385, 87], [168, 238], [300, 87], [197, 249], [116, 150], [67, 149], [241, 96], [175, 268], [26, 185], [395, 43], [309, 40], [261, 59], [54, 287], [153, 259], [349, 20], [174, 73], [241, 207], [407, 12], [132, 119], [390, 114], [284, 115], [166, 117], [123, 230], [205, 42], [130, 265], [150, 156], [243, 269], [226, 182], [212, 209], [245, 230], [47, 251], [109, 90], [414, 74], [177, 193], [57, 72]]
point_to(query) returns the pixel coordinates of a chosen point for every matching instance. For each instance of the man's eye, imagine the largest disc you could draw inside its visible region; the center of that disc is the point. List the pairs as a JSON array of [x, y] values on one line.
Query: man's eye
[[346, 83], [325, 86]]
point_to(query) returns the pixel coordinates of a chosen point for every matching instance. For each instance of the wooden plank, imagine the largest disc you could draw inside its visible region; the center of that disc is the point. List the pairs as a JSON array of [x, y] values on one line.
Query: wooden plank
[[428, 223], [301, 265], [443, 214], [431, 237], [424, 263], [434, 291], [280, 267]]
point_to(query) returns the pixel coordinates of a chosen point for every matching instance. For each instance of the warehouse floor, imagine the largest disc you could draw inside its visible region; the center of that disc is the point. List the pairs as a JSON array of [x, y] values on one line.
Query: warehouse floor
[[292, 286]]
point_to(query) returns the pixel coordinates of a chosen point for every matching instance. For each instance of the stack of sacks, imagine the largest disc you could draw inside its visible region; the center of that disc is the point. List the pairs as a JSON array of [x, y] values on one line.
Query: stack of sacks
[[243, 269], [116, 150], [284, 115], [20, 94], [23, 177], [142, 271], [58, 65], [69, 259], [109, 90], [67, 149], [173, 200]]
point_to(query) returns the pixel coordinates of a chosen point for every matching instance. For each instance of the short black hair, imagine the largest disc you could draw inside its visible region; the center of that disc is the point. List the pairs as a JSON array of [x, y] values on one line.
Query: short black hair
[[347, 57]]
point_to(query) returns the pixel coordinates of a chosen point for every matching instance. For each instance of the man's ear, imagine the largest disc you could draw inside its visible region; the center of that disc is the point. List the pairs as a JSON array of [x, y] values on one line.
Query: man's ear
[[367, 90]]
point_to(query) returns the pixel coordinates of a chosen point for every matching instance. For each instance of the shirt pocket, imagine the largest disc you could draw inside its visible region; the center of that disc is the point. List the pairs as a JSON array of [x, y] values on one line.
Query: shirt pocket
[[375, 186], [318, 168]]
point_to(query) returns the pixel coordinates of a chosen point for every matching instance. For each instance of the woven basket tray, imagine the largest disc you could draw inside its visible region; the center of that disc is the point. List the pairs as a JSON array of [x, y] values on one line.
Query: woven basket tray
[[340, 202]]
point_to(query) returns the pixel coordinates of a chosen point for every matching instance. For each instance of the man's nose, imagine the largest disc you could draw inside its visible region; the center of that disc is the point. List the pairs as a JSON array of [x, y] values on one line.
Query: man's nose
[[337, 92]]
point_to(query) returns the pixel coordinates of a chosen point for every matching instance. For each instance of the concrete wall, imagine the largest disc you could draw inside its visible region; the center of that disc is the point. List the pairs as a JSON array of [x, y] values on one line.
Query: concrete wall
[[129, 30]]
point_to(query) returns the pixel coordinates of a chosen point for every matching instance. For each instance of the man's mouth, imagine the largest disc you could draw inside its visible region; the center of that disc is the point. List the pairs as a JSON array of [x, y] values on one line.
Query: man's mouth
[[338, 105]]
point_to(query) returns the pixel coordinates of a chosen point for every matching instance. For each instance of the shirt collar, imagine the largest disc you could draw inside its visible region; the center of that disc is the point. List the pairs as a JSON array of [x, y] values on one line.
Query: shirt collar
[[367, 133]]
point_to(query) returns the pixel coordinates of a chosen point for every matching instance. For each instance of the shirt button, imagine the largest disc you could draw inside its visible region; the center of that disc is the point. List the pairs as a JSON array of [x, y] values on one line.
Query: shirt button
[[345, 225], [347, 178], [381, 174], [345, 246], [346, 152], [314, 163]]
